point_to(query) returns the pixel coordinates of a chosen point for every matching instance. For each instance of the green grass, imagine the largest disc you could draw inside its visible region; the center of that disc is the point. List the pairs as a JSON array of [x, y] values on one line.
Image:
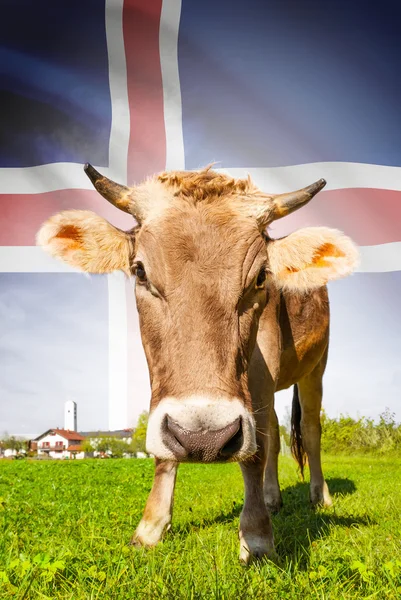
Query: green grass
[[65, 527]]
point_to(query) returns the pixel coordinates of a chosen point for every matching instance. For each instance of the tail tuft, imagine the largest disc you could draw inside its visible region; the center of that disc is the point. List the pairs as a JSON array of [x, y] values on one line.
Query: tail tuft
[[297, 448]]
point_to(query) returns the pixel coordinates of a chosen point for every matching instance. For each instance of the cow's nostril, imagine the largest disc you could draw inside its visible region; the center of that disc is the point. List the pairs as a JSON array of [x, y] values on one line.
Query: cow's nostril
[[204, 445], [234, 444], [171, 440]]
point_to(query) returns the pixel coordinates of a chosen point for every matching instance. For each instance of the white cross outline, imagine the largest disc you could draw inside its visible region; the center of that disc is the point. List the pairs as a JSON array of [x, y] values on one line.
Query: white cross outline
[[57, 176]]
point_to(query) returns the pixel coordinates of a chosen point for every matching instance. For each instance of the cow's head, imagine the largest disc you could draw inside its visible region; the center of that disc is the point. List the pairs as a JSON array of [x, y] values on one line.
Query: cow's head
[[205, 270]]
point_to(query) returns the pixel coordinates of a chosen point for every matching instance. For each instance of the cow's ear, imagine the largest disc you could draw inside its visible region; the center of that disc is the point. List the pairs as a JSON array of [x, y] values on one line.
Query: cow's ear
[[311, 257], [87, 242]]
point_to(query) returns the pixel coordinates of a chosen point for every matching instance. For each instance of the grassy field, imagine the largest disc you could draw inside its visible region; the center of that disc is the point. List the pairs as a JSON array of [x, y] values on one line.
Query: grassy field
[[65, 528]]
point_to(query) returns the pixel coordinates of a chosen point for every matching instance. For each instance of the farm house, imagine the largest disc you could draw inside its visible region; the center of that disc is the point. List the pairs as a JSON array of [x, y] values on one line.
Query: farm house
[[59, 443]]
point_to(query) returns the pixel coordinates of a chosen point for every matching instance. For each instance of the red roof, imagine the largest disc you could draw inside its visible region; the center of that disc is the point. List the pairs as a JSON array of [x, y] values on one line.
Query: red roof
[[67, 434]]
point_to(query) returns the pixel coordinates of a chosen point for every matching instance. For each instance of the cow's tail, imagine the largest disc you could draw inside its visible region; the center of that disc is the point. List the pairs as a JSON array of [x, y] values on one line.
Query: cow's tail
[[297, 447]]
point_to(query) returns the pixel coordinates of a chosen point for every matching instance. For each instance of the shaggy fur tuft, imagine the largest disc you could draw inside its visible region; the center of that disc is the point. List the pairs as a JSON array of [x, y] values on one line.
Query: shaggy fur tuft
[[206, 184], [297, 448]]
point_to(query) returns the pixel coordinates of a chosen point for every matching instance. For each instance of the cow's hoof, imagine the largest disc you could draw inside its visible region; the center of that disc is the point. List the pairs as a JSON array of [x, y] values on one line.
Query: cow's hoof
[[148, 534], [136, 542], [274, 504], [255, 547], [320, 496]]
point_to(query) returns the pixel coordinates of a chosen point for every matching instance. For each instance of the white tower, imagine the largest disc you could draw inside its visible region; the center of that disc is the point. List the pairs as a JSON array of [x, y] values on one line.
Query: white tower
[[70, 415]]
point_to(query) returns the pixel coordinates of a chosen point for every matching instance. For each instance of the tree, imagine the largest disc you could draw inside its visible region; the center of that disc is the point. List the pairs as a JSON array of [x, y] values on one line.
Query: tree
[[103, 444], [138, 443], [107, 444], [87, 446], [118, 447], [285, 435], [13, 443], [286, 421]]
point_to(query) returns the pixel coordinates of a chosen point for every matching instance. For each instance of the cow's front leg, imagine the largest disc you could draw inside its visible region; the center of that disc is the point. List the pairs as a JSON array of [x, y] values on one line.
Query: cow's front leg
[[159, 507], [272, 492], [255, 531]]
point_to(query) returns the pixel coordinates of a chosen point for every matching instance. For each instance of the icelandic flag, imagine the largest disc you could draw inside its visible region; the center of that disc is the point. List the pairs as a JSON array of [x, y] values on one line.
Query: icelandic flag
[[286, 93]]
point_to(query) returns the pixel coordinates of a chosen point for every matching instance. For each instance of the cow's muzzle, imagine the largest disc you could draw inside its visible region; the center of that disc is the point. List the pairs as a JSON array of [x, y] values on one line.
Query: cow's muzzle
[[201, 429], [204, 445]]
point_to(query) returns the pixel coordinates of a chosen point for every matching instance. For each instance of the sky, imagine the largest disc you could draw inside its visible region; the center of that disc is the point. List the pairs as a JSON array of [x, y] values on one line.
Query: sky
[[363, 373], [54, 347]]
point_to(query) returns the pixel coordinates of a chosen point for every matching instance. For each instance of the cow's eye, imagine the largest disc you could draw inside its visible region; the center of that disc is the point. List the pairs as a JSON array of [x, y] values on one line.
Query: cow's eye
[[140, 273], [261, 278]]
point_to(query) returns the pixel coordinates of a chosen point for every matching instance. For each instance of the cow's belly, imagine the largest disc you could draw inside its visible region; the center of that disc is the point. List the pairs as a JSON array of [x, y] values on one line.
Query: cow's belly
[[296, 362], [304, 324], [290, 347]]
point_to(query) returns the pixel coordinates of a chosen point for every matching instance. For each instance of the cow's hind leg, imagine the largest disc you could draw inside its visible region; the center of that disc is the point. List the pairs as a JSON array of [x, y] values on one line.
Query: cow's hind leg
[[159, 507], [310, 399], [271, 486]]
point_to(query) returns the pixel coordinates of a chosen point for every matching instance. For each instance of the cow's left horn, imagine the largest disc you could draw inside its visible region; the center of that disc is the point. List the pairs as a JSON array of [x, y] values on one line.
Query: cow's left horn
[[284, 204], [116, 194]]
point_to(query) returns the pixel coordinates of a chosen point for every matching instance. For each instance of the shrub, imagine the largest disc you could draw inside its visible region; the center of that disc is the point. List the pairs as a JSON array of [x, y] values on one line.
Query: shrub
[[346, 434]]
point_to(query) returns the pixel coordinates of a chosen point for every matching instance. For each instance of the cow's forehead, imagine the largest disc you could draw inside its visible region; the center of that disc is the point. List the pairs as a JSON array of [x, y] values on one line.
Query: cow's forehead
[[213, 242], [199, 233]]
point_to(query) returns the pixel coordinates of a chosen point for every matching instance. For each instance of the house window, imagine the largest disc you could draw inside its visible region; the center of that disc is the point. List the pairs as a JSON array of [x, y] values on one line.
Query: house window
[[46, 444], [59, 444]]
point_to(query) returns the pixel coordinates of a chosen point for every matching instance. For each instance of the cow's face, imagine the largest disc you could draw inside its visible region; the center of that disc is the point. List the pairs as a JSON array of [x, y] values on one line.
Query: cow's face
[[204, 273], [199, 296]]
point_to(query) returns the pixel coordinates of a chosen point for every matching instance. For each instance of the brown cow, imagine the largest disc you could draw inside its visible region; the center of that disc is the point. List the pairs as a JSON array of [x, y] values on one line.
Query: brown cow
[[228, 316]]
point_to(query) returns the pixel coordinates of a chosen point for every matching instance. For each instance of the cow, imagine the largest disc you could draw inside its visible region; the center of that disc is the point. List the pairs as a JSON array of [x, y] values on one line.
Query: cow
[[228, 316]]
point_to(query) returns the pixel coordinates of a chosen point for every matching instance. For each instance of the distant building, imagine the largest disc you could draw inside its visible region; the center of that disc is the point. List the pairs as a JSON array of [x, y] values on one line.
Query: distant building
[[65, 443], [70, 416], [16, 450], [95, 437], [120, 434], [59, 443], [9, 453]]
